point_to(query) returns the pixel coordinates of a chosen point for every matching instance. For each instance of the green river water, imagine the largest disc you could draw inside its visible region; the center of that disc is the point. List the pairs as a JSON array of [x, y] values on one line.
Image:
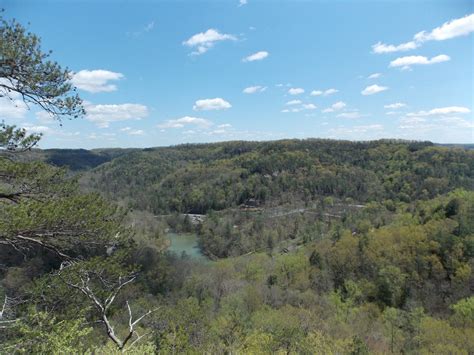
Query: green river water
[[187, 243]]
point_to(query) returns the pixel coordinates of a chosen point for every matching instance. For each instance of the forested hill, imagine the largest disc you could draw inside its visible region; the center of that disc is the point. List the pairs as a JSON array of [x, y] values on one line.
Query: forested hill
[[75, 159], [197, 178]]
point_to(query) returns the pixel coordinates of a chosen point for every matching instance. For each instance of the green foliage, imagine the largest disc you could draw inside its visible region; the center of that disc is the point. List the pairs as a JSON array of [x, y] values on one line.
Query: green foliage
[[40, 333], [41, 207], [335, 277], [14, 139], [26, 71], [200, 178], [464, 312]]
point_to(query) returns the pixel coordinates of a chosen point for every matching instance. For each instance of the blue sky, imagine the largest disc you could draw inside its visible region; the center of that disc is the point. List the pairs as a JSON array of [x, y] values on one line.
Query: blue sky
[[157, 73]]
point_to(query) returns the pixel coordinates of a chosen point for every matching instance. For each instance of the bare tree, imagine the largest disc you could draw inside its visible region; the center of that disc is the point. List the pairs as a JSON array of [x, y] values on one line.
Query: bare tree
[[6, 319], [92, 283]]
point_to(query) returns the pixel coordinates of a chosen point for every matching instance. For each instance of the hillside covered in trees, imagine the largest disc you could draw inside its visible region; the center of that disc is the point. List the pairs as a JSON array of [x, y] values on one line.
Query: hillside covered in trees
[[205, 177], [343, 253]]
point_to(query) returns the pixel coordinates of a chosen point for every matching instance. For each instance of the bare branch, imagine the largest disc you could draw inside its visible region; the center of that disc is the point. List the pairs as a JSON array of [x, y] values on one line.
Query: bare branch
[[103, 306], [13, 242]]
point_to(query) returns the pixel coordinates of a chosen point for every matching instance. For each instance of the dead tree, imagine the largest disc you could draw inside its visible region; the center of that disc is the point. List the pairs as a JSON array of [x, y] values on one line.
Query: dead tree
[[6, 319], [102, 301]]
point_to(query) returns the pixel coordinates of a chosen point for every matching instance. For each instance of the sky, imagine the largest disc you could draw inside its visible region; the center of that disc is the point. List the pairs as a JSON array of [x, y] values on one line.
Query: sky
[[159, 73]]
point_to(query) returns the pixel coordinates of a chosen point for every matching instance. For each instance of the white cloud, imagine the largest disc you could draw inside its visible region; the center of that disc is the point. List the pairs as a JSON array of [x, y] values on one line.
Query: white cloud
[[335, 107], [456, 122], [187, 120], [373, 89], [324, 93], [293, 102], [254, 89], [451, 29], [204, 41], [36, 129], [211, 104], [395, 105], [12, 109], [242, 2], [103, 115], [406, 62], [11, 104], [149, 26], [390, 48], [440, 111], [441, 119], [107, 136], [44, 117], [330, 92], [218, 131], [60, 133], [352, 115], [418, 123], [301, 107], [338, 105], [295, 91], [309, 107], [136, 132], [356, 129], [225, 125], [374, 76], [454, 28], [256, 56], [95, 80]]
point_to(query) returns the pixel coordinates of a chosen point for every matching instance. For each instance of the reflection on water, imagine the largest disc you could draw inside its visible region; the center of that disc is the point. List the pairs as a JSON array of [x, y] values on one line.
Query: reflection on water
[[187, 243]]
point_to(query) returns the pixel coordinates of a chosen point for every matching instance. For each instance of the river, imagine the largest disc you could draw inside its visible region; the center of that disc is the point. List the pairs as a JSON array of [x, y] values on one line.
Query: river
[[186, 242]]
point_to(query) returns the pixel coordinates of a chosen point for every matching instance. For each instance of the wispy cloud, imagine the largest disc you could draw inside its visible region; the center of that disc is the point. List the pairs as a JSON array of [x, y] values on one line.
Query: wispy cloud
[[451, 29], [373, 89], [380, 47], [335, 107], [256, 56], [395, 105], [324, 93], [185, 121], [350, 131], [136, 132], [295, 91], [147, 28], [11, 105], [298, 106], [204, 41], [350, 115], [374, 76], [254, 89], [440, 111], [407, 62], [440, 118]]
